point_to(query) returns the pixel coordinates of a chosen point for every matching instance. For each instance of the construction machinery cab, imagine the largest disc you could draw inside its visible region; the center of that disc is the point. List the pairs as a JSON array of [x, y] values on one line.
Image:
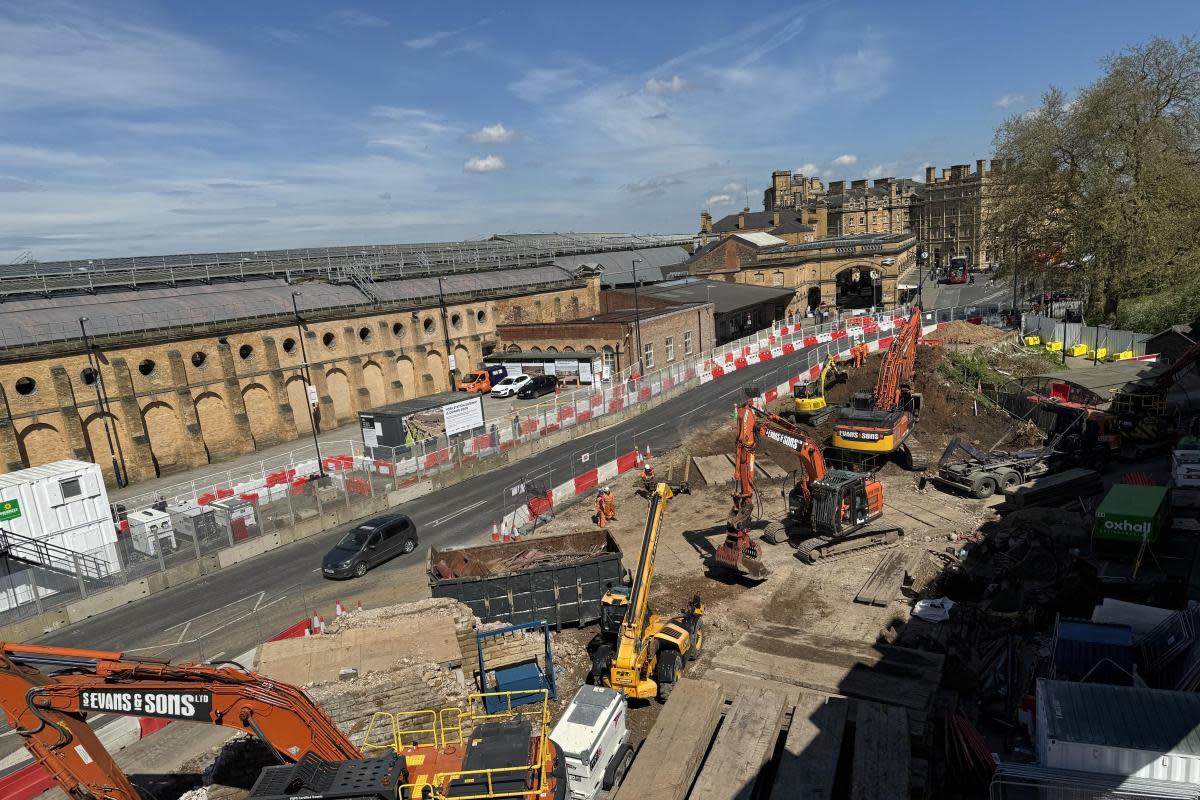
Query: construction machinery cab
[[612, 611]]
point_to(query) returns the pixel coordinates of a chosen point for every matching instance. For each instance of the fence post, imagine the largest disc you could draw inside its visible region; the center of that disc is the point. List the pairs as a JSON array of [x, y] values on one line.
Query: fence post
[[79, 574]]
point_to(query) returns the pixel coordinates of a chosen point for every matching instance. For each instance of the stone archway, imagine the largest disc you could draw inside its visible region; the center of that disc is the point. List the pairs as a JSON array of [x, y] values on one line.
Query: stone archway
[[165, 432], [41, 443], [375, 384], [260, 411], [338, 385], [406, 373], [215, 426], [462, 360], [98, 442], [298, 400], [814, 297], [435, 367], [857, 286]]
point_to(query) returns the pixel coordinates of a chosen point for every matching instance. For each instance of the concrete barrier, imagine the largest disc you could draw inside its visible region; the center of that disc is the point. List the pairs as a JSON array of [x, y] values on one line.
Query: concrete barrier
[[250, 549], [104, 601]]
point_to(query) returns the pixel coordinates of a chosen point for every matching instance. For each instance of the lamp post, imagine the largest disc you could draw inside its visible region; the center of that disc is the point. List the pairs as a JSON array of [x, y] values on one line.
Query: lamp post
[[921, 257], [450, 370], [94, 366], [310, 392], [637, 317]]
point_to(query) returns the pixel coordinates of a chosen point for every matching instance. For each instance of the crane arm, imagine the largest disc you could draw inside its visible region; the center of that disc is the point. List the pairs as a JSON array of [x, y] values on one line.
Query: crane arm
[[1167, 379], [49, 709], [898, 363], [637, 614]]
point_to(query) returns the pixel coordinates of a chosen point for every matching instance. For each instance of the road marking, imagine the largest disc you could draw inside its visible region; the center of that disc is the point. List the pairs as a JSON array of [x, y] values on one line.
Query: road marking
[[461, 511]]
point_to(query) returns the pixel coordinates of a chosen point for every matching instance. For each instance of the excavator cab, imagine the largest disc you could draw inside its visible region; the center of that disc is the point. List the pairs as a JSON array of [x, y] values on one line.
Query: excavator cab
[[612, 611]]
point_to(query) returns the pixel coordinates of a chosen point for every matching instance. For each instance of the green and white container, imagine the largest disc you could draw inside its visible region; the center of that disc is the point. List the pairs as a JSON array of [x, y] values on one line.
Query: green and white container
[[1132, 514]]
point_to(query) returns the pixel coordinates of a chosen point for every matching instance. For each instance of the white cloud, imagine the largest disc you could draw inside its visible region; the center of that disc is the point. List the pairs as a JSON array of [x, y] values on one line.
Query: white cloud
[[876, 171], [493, 134], [411, 131], [846, 160], [15, 154], [539, 84], [62, 55], [1010, 100], [810, 169], [674, 85], [719, 200], [284, 35], [428, 40], [656, 186], [484, 164], [355, 18]]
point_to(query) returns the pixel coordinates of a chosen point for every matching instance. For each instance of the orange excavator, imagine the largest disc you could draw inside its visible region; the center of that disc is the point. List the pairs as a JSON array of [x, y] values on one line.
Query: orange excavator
[[47, 694], [831, 507], [881, 422]]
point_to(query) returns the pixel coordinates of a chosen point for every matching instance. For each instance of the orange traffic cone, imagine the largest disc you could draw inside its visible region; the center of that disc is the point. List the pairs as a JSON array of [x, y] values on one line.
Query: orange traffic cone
[[360, 608], [321, 627], [337, 609], [647, 452], [495, 531], [307, 631]]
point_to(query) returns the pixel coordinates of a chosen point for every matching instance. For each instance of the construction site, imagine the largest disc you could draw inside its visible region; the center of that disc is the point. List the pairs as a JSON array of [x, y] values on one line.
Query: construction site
[[935, 569]]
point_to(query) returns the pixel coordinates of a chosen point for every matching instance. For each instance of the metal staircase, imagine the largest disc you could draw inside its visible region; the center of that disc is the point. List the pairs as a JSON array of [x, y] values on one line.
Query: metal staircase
[[359, 275], [52, 557]]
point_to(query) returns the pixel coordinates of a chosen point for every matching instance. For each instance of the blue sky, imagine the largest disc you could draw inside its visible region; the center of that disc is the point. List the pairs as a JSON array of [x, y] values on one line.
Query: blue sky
[[136, 127]]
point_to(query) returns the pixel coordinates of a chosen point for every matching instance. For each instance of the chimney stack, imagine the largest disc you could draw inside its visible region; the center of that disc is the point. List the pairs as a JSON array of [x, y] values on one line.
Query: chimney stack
[[859, 184], [981, 166], [705, 222], [742, 218], [931, 174], [837, 187]]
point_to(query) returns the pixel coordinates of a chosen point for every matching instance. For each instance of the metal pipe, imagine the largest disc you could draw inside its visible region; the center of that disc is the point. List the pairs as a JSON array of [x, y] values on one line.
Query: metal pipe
[[101, 396], [308, 403]]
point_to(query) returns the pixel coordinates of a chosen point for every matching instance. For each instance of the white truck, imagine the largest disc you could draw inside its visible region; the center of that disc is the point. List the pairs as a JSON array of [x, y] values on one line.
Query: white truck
[[594, 741]]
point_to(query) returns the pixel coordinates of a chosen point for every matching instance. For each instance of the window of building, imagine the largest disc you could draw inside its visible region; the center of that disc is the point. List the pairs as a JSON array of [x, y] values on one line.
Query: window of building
[[759, 277], [610, 361], [778, 278], [687, 343], [648, 356], [670, 349]]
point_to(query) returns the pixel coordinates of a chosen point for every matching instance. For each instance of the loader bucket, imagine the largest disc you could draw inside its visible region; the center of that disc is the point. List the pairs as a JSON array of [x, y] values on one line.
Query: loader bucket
[[733, 555]]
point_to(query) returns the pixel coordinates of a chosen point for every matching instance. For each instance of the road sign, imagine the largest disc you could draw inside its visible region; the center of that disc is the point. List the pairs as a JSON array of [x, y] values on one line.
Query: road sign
[[9, 509]]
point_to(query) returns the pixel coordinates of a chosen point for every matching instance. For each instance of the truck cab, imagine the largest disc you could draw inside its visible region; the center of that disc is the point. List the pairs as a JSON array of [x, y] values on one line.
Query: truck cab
[[482, 380], [593, 740]]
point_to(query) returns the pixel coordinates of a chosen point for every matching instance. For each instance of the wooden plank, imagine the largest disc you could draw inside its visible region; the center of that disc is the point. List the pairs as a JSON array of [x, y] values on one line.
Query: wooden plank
[[881, 754], [743, 747], [808, 764], [880, 587], [914, 514], [670, 757], [715, 470], [770, 468]]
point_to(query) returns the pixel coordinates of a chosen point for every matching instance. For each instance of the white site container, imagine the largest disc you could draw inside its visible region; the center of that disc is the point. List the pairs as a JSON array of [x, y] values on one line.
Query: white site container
[[63, 503], [150, 529], [1119, 730], [56, 516]]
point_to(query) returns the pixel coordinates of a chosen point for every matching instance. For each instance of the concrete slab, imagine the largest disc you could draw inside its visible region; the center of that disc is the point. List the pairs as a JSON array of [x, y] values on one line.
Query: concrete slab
[[770, 469], [714, 470]]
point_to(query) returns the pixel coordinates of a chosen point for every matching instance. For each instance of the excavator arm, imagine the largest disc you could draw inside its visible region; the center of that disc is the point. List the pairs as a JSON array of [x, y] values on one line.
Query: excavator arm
[[753, 423], [47, 693], [898, 363]]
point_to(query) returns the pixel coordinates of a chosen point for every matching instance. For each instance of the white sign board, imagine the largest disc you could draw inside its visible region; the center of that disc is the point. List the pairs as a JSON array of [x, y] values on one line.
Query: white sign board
[[371, 431], [453, 363], [513, 367], [548, 368], [312, 395], [563, 366], [464, 415], [585, 372]]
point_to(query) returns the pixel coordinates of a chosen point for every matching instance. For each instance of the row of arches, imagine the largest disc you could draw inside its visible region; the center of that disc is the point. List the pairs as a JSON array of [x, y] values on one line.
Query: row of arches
[[179, 438]]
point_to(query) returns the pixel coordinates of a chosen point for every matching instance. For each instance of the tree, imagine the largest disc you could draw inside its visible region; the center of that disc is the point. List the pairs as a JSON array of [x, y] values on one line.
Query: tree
[[1102, 193]]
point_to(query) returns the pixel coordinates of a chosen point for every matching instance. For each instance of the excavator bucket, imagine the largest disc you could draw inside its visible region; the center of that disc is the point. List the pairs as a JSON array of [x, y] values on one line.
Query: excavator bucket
[[740, 553]]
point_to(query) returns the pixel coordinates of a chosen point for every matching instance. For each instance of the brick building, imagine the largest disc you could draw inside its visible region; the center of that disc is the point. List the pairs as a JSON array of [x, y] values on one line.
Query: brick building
[[205, 358], [668, 332], [796, 225]]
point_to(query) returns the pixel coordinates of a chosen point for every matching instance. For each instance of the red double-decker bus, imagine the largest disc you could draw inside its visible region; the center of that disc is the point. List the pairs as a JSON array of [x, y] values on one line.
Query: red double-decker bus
[[957, 271]]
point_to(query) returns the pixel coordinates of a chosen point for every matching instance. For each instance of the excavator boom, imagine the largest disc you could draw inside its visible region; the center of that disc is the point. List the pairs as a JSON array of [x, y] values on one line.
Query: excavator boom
[[47, 692]]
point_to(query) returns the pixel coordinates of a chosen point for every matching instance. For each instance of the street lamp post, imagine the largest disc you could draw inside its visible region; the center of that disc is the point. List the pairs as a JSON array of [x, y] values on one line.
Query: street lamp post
[[94, 365], [637, 317], [921, 256], [446, 332], [309, 390]]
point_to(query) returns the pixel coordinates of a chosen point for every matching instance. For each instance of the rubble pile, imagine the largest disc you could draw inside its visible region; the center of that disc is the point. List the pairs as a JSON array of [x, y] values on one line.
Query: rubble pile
[[959, 332]]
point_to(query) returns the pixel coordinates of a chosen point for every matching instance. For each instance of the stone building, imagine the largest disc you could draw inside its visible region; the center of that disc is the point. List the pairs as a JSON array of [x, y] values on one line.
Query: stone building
[[796, 225], [843, 271], [205, 358], [791, 190], [953, 214], [889, 205], [668, 332]]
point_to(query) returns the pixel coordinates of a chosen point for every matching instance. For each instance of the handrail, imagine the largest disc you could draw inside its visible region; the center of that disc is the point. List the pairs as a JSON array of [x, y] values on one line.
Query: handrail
[[52, 556]]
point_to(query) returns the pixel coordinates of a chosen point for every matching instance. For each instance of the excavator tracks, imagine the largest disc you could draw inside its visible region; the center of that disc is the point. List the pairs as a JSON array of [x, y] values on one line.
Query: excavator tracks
[[820, 549], [916, 458]]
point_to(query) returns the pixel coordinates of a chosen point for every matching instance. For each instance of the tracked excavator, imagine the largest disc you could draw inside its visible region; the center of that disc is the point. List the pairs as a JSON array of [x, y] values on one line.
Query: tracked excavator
[[881, 422], [809, 398], [832, 508], [48, 694], [650, 649]]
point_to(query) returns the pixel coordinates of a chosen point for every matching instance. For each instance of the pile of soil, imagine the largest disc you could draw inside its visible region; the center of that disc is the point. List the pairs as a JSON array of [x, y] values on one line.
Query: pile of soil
[[959, 332]]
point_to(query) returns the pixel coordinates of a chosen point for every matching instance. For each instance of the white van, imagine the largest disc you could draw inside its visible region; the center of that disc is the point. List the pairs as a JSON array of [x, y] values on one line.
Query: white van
[[594, 742]]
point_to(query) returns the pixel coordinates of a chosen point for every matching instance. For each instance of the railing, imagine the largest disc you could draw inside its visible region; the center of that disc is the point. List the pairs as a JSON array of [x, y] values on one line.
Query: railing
[[279, 493], [46, 554]]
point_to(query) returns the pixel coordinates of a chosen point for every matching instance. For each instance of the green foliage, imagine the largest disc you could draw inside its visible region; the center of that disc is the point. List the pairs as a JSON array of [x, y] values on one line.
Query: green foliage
[[1100, 194], [995, 365]]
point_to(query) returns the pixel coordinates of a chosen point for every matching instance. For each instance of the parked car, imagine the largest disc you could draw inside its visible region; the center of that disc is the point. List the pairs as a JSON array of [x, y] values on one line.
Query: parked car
[[538, 386], [510, 385], [368, 545]]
